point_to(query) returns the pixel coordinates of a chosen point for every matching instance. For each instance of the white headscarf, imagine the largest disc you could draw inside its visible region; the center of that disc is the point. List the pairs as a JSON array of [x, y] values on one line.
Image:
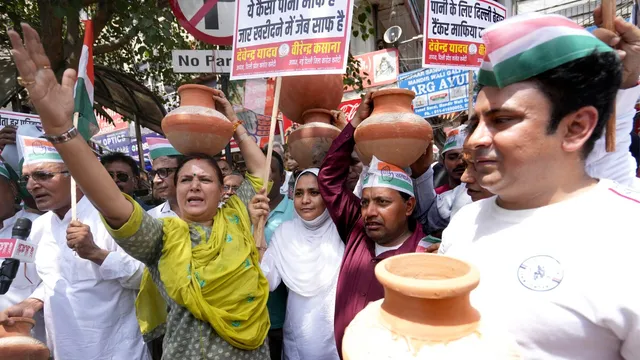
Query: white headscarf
[[308, 254]]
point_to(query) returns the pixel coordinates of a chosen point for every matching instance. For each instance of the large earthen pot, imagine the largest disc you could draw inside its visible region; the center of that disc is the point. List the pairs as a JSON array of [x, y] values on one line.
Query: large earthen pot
[[425, 314], [196, 126], [309, 143], [393, 133], [301, 93], [17, 344]]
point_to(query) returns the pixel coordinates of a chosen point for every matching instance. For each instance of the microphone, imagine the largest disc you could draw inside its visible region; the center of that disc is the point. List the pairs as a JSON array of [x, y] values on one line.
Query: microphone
[[14, 250]]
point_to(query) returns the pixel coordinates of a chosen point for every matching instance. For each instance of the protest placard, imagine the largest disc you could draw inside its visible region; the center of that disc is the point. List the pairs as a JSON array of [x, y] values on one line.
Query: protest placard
[[11, 118], [290, 37], [437, 91], [453, 31]]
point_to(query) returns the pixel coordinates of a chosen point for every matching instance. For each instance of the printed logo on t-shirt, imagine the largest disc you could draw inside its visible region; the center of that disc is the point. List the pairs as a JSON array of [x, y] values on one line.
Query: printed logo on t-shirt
[[540, 273]]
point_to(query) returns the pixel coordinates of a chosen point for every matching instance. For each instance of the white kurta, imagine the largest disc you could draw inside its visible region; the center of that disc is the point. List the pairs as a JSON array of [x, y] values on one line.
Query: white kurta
[[161, 211], [89, 309], [27, 278]]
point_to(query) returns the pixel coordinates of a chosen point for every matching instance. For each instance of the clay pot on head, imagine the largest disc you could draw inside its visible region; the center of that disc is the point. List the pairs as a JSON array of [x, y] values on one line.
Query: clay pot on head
[[393, 132], [17, 344], [425, 314], [309, 143], [301, 93], [196, 126]]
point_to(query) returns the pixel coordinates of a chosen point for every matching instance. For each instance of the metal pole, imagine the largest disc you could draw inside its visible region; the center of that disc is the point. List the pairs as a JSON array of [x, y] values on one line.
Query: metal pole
[[139, 141], [224, 83]]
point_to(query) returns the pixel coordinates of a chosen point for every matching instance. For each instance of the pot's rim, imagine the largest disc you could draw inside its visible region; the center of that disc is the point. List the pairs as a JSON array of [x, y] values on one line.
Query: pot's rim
[[316, 110], [396, 91], [196, 87], [427, 275]]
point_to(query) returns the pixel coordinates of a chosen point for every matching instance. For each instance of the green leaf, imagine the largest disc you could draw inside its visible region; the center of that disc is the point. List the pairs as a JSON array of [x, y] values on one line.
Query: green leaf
[[355, 33], [362, 17], [368, 9], [372, 31]]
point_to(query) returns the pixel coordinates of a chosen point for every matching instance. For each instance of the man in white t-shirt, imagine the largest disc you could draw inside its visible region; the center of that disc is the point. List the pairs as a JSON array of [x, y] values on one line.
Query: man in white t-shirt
[[555, 247]]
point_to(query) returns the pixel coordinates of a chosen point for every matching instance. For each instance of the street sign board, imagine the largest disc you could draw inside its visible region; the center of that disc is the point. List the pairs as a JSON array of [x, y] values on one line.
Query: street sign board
[[210, 21], [201, 61]]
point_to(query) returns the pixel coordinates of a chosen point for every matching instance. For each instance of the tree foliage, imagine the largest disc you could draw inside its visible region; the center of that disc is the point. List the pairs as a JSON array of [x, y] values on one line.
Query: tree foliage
[[135, 37]]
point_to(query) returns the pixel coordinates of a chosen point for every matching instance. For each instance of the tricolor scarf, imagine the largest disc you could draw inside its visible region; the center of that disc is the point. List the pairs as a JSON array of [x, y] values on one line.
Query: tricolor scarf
[[528, 45], [382, 174]]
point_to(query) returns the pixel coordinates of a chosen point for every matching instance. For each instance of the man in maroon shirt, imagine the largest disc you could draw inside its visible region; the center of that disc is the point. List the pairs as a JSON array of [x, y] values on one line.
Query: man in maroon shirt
[[375, 227]]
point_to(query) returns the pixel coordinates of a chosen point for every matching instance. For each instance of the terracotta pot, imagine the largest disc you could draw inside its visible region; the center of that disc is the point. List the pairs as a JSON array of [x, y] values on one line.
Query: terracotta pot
[[365, 160], [393, 133], [309, 143], [301, 93], [16, 343], [425, 314], [196, 126]]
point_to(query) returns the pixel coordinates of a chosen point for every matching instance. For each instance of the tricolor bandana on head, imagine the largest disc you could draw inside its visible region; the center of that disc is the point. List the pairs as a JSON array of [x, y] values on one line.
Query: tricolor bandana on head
[[36, 150], [160, 147], [455, 139], [528, 45], [382, 174]]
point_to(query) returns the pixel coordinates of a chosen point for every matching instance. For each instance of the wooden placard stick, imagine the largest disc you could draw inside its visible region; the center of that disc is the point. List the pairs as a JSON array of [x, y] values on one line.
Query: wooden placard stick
[[471, 85], [608, 17], [74, 197], [258, 231]]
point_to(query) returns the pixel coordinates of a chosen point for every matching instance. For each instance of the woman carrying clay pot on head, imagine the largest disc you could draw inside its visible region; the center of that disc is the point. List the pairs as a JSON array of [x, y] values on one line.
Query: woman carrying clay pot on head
[[204, 265], [305, 253]]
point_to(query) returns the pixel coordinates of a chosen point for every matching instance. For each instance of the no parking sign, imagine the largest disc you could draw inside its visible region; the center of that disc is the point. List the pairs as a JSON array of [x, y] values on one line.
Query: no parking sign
[[210, 21]]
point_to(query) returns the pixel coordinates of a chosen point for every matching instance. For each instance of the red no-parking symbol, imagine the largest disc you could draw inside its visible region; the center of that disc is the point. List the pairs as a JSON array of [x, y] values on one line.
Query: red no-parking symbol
[[210, 21]]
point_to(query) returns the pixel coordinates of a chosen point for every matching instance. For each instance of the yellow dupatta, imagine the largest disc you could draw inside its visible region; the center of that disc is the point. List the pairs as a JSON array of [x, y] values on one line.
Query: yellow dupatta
[[219, 281]]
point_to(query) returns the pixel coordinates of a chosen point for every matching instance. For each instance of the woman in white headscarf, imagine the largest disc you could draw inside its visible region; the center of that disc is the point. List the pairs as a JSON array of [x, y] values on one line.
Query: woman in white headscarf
[[305, 253]]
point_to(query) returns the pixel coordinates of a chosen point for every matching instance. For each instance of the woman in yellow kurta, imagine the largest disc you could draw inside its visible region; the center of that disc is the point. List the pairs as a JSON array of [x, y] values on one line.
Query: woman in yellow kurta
[[204, 265]]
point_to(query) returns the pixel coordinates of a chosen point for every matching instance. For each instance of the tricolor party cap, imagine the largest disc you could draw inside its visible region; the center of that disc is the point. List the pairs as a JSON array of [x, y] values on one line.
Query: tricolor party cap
[[37, 150], [455, 139], [528, 45], [3, 171], [160, 147], [382, 174]]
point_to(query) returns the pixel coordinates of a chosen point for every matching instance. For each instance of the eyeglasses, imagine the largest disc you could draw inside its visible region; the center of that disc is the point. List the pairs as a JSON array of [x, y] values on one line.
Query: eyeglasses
[[231, 188], [40, 176], [162, 173], [119, 176]]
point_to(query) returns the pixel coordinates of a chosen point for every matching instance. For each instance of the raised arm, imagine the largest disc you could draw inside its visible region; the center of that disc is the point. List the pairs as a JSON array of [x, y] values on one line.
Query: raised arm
[[342, 204], [253, 156], [54, 103]]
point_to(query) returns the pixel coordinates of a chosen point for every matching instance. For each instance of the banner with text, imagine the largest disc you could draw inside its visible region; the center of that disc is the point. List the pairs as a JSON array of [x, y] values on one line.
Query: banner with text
[[11, 118], [290, 37], [453, 30], [437, 91], [116, 141]]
